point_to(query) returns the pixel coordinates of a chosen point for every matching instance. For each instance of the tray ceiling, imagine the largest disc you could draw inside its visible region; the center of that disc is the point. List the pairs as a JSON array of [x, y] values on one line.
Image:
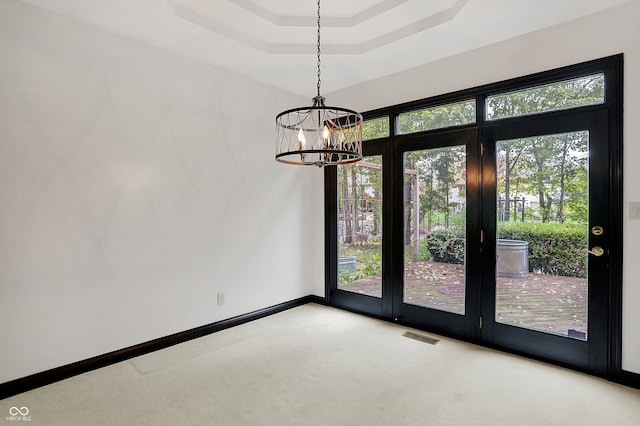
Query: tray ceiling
[[274, 41]]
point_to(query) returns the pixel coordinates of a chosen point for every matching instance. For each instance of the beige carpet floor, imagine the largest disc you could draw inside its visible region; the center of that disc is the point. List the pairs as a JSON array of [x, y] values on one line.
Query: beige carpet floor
[[315, 365]]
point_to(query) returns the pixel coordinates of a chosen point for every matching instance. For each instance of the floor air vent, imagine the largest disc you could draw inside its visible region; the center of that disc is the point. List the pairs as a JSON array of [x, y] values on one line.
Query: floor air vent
[[421, 337]]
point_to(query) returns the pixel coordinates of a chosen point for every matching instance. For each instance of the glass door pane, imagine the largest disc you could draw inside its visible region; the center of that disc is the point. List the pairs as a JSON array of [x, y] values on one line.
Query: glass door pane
[[542, 233], [360, 227], [435, 228]]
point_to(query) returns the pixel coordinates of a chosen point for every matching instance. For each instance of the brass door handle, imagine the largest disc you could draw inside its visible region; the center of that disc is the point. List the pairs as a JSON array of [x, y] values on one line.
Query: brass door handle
[[597, 251]]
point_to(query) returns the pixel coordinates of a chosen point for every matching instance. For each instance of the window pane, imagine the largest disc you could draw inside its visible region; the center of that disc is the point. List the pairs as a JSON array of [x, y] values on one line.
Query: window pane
[[434, 228], [376, 128], [438, 117], [551, 97], [542, 218], [360, 227]]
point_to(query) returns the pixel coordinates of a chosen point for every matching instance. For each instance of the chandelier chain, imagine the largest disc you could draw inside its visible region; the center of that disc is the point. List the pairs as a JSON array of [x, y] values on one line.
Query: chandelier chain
[[319, 135], [318, 47]]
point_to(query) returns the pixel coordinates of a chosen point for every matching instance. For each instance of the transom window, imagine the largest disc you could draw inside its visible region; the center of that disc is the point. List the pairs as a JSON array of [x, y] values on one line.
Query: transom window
[[437, 117], [556, 96], [375, 128]]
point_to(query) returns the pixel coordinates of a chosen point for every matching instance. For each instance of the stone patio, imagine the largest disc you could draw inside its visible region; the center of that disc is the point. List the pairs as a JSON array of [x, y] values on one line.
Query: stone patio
[[547, 303]]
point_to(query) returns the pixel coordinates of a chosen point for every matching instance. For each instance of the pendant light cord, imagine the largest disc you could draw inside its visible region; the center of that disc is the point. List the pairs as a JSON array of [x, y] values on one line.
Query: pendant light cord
[[318, 48]]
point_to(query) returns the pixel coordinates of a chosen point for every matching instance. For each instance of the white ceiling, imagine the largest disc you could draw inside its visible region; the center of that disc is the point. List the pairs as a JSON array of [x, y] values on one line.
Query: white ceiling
[[274, 41]]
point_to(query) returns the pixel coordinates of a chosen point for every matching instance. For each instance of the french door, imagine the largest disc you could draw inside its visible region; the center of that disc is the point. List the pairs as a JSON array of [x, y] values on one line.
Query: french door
[[453, 232], [376, 235], [493, 215], [546, 286], [436, 208], [358, 236]]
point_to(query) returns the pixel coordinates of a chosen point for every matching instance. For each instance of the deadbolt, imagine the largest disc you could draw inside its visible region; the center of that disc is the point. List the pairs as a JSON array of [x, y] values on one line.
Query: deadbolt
[[597, 251], [597, 230]]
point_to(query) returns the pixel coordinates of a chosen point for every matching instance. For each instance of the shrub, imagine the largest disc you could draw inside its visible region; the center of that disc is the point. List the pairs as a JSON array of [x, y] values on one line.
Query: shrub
[[370, 263], [554, 248], [425, 253], [446, 246]]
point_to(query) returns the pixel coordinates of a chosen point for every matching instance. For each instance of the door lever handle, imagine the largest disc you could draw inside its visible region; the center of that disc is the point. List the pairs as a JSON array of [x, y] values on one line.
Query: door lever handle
[[597, 251]]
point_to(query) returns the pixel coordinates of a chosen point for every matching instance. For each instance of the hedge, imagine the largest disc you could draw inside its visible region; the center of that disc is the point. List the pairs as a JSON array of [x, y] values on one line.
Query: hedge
[[554, 248]]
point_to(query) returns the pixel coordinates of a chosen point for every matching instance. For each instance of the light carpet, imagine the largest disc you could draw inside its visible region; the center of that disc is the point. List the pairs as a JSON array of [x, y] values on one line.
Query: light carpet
[[315, 365]]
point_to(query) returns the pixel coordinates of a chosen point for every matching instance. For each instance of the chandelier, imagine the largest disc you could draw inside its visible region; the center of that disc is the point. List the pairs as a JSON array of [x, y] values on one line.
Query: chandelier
[[319, 135]]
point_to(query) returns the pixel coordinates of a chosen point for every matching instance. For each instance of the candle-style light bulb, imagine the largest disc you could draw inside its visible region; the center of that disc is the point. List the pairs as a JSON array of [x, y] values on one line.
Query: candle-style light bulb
[[325, 136], [301, 139]]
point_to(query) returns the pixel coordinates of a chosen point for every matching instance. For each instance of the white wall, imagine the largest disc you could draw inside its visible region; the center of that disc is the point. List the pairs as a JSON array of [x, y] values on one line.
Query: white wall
[[134, 186], [607, 33]]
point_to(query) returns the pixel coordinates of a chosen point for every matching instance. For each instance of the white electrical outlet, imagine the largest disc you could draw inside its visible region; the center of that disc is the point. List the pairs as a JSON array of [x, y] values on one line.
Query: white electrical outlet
[[220, 299], [634, 210]]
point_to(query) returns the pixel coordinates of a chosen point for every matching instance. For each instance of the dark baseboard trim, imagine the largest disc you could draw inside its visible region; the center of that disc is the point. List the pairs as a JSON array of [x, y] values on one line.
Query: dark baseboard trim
[[57, 374], [630, 379], [317, 299]]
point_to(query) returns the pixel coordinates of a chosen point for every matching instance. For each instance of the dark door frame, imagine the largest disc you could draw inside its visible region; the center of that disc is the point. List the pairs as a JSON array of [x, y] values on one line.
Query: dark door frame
[[588, 355], [448, 323], [612, 67], [370, 305]]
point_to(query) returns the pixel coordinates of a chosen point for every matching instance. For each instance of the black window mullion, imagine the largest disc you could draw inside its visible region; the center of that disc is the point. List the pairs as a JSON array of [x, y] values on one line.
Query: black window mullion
[[393, 147]]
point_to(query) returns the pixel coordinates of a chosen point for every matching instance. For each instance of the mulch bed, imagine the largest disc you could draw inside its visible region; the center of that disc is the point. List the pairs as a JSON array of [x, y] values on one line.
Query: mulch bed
[[547, 303]]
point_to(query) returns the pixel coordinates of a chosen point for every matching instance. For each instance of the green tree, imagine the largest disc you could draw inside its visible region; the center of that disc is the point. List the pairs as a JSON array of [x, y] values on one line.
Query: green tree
[[345, 204], [547, 162], [371, 168], [376, 128], [437, 117]]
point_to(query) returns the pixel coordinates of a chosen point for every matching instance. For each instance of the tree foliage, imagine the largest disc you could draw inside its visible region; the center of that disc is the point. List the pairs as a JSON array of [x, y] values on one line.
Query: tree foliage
[[438, 117], [376, 128], [551, 168], [556, 96], [542, 179]]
